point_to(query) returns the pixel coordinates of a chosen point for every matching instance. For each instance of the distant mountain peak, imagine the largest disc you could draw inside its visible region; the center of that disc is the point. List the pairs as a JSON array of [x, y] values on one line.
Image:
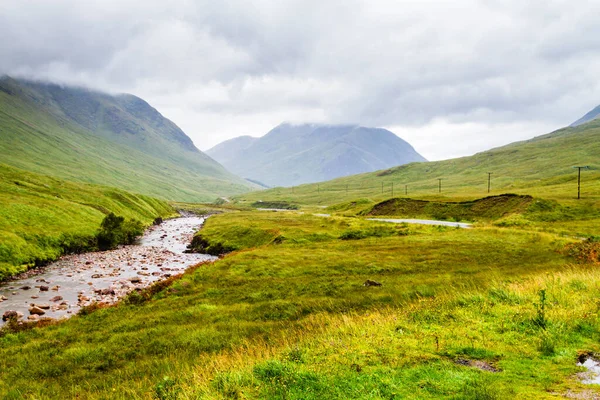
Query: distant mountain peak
[[297, 153], [590, 116]]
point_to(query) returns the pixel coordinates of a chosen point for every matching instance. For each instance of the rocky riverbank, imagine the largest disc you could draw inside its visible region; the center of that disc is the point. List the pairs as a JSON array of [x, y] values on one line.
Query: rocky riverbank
[[75, 281]]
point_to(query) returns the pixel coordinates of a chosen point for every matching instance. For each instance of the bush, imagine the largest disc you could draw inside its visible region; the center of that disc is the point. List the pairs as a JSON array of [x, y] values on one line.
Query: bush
[[115, 230]]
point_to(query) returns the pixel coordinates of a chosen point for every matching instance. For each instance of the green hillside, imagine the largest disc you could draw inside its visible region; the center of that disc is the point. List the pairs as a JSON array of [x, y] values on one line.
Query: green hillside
[[41, 216], [541, 167], [91, 137]]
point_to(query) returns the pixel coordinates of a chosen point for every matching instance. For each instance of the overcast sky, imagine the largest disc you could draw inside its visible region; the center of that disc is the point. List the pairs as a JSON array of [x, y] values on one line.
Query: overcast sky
[[452, 77]]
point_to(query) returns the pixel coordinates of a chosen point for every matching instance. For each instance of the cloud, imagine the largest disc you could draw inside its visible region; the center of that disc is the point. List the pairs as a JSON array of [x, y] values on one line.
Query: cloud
[[434, 71]]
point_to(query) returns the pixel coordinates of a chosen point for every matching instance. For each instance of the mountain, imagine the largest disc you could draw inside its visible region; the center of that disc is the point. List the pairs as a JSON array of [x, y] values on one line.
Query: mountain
[[542, 166], [595, 113], [117, 140], [295, 154]]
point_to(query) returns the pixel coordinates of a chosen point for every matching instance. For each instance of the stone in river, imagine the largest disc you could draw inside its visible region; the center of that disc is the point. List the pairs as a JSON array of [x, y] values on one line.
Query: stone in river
[[35, 297], [56, 298], [96, 276], [33, 317], [135, 279], [25, 287], [43, 306], [36, 310], [10, 314], [44, 288]]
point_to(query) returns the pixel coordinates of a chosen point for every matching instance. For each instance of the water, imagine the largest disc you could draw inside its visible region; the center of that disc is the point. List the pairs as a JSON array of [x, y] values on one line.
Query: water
[[63, 287], [592, 376]]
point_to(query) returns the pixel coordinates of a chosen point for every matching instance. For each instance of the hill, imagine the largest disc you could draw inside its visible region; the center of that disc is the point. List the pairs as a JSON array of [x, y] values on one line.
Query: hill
[[295, 154], [542, 166], [590, 116], [88, 136], [42, 217]]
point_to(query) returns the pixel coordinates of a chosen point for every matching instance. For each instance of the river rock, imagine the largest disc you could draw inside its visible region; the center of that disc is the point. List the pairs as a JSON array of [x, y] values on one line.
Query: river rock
[[43, 306], [36, 310], [9, 315], [25, 287], [135, 279], [56, 298], [96, 276], [44, 288], [33, 317], [55, 288]]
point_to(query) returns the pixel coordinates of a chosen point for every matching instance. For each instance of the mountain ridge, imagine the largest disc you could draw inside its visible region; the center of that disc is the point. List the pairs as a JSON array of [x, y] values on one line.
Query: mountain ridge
[[120, 140], [590, 116], [292, 154]]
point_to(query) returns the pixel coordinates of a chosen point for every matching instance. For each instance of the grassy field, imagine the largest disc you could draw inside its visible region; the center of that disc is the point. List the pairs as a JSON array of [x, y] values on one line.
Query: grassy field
[[42, 217], [540, 167], [485, 313]]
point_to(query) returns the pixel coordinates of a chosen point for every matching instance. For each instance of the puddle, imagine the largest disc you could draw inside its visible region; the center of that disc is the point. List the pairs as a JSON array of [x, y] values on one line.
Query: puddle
[[592, 375]]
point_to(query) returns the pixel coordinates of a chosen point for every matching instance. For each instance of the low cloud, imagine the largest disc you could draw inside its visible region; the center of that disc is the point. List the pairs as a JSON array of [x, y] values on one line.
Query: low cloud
[[451, 77]]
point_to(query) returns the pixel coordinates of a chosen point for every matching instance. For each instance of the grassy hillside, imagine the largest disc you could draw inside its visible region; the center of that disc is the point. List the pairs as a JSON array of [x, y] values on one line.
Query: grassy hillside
[[486, 313], [41, 216], [120, 141], [540, 167]]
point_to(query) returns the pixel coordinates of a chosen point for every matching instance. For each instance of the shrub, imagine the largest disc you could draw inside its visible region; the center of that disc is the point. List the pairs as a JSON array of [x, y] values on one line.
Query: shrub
[[115, 230]]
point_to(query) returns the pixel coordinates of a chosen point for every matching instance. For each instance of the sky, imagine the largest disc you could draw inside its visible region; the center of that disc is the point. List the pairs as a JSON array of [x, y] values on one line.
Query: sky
[[451, 77]]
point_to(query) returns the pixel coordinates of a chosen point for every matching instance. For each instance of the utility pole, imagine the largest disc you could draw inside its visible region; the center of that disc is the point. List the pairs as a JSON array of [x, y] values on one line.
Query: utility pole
[[440, 184], [489, 180], [579, 168]]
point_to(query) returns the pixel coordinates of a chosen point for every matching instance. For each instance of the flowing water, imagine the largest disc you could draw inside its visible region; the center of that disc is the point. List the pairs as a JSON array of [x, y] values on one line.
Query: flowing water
[[63, 287]]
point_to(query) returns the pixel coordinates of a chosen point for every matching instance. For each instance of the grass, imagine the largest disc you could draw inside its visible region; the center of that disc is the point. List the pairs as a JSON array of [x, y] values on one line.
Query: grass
[[290, 318], [42, 217]]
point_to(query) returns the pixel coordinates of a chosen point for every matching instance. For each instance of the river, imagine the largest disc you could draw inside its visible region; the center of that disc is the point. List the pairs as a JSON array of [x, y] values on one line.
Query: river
[[60, 289]]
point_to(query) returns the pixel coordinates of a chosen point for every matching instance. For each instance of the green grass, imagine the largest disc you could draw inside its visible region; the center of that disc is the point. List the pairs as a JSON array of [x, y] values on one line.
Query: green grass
[[540, 167], [42, 217], [290, 318], [94, 139]]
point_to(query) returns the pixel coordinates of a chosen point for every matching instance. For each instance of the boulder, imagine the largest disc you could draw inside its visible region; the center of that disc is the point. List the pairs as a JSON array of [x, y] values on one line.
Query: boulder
[[44, 288], [35, 310], [56, 298], [10, 314]]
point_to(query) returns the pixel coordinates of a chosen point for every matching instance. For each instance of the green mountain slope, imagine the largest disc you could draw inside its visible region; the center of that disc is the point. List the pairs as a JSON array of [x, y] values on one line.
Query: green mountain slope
[[121, 141], [542, 166], [295, 154], [41, 216]]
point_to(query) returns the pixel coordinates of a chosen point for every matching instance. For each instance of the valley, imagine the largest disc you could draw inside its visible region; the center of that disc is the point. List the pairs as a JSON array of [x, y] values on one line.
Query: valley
[[306, 291]]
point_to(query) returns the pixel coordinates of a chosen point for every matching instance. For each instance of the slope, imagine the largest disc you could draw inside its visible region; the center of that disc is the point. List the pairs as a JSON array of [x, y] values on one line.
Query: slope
[[42, 217], [542, 166], [86, 136], [295, 154]]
